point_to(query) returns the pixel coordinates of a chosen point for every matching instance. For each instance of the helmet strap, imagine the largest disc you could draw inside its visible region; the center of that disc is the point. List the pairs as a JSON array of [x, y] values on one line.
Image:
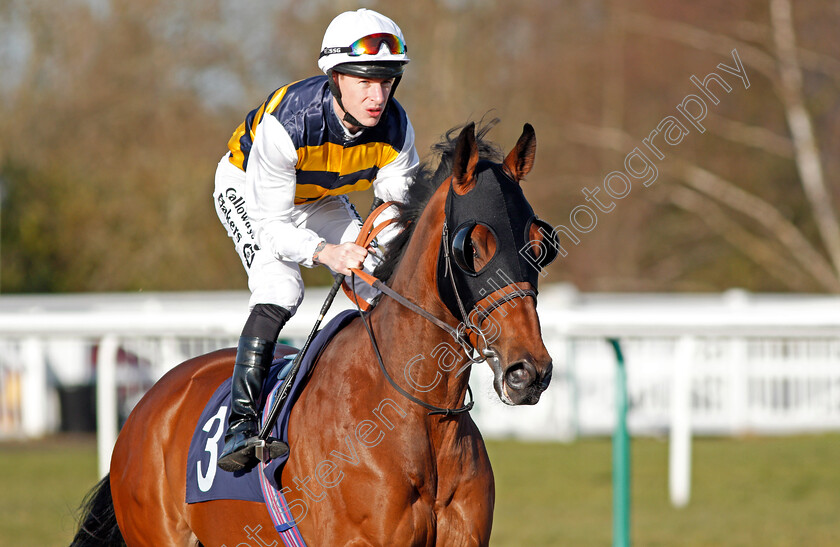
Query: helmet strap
[[334, 89], [394, 88]]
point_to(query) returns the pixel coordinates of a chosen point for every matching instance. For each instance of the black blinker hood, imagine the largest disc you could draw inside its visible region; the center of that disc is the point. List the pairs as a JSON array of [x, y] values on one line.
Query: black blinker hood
[[497, 202]]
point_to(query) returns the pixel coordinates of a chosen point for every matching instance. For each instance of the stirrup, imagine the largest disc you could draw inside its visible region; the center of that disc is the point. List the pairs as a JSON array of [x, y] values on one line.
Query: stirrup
[[269, 449], [253, 451]]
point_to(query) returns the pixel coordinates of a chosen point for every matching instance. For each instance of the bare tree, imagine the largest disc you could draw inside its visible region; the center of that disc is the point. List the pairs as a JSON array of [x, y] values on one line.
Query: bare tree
[[748, 222]]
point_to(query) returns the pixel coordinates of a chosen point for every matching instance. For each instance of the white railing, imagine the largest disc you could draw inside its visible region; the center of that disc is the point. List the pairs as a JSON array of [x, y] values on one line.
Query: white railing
[[708, 364]]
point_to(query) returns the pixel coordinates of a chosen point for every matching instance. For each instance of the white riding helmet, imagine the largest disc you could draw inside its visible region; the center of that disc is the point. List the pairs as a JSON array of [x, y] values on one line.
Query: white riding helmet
[[363, 43]]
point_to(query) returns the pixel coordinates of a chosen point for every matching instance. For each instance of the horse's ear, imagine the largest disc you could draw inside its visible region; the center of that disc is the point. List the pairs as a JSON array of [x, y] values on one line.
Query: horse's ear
[[521, 159], [466, 158]]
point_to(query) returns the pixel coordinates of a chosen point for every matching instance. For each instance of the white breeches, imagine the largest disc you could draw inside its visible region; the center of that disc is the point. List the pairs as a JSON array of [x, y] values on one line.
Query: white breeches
[[272, 280]]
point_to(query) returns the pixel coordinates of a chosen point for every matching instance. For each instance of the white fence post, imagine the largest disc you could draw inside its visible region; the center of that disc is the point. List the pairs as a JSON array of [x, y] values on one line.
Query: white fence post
[[34, 400], [106, 401], [679, 459], [738, 388]]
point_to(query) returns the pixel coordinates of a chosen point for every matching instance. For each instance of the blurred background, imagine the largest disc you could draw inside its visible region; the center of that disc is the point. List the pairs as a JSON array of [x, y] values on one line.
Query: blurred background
[[115, 114]]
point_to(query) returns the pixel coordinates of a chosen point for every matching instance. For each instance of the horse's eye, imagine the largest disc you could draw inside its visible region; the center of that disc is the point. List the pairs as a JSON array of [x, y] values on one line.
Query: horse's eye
[[473, 246]]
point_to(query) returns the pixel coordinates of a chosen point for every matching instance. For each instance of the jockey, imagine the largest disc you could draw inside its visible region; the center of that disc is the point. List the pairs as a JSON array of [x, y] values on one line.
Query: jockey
[[280, 190]]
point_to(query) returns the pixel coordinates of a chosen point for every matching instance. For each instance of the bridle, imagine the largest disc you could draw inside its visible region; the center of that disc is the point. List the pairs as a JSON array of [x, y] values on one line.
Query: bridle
[[467, 322], [460, 334]]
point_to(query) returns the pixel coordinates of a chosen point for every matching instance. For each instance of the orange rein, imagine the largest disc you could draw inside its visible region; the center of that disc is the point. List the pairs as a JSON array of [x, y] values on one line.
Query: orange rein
[[366, 236]]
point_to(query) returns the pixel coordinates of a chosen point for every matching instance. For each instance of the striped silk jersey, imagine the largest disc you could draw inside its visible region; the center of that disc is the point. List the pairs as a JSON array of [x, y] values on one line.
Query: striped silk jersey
[[327, 163]]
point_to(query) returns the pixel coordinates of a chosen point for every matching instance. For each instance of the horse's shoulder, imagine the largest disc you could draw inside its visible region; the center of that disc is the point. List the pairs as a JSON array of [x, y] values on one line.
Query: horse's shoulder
[[344, 342]]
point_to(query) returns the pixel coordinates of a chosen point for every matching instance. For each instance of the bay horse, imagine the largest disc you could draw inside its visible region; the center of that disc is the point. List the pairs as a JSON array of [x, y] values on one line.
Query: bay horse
[[467, 259]]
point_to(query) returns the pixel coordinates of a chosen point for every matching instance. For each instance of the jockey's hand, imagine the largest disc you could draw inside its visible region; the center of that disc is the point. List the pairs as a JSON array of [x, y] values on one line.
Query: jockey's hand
[[340, 258]]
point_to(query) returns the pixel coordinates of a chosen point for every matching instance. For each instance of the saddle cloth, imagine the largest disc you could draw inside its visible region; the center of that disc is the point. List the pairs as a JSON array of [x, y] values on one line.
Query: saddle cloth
[[205, 481]]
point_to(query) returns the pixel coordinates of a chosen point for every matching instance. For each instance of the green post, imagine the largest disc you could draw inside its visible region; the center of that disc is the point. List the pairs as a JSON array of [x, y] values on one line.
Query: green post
[[621, 455]]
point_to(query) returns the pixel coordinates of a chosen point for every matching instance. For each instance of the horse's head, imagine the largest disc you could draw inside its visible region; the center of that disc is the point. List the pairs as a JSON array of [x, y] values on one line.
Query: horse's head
[[488, 267]]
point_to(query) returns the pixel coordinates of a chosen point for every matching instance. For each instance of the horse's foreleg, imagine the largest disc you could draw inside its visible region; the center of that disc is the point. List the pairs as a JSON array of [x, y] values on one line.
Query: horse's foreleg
[[467, 519], [466, 490]]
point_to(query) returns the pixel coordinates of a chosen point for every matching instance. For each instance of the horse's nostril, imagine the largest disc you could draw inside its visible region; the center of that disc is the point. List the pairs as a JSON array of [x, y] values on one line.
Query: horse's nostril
[[520, 375]]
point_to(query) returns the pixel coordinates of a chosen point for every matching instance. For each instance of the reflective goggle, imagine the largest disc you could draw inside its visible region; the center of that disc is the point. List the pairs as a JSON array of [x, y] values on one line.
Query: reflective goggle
[[370, 45], [546, 246], [463, 250]]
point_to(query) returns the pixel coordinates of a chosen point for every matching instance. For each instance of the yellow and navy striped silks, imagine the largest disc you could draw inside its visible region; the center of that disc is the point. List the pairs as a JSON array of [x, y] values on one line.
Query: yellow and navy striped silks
[[327, 164]]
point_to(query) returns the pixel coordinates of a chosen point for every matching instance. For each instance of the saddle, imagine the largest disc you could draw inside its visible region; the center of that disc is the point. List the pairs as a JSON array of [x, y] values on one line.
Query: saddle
[[205, 481]]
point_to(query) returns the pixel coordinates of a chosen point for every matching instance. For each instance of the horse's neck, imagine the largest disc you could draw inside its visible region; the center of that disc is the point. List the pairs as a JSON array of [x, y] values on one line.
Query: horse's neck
[[419, 355]]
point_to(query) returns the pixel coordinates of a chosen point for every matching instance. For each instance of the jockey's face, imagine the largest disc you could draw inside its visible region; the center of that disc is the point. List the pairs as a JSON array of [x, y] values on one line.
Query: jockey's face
[[364, 98]]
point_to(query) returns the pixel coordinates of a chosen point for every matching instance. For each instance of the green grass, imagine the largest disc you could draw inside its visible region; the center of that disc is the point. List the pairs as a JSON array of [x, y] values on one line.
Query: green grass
[[42, 484], [745, 492]]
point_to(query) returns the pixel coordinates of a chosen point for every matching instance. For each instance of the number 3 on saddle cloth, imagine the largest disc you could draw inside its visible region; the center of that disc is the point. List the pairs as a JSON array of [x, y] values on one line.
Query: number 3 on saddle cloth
[[206, 482]]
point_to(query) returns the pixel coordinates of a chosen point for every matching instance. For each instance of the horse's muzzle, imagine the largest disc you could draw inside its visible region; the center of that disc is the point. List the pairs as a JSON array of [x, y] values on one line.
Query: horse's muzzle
[[523, 384]]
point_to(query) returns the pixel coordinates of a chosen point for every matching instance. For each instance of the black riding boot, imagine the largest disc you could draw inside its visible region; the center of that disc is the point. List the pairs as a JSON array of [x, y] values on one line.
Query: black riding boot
[[253, 359]]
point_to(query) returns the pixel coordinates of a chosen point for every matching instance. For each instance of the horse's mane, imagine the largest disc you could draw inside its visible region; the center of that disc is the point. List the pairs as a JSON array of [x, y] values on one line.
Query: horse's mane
[[430, 175]]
